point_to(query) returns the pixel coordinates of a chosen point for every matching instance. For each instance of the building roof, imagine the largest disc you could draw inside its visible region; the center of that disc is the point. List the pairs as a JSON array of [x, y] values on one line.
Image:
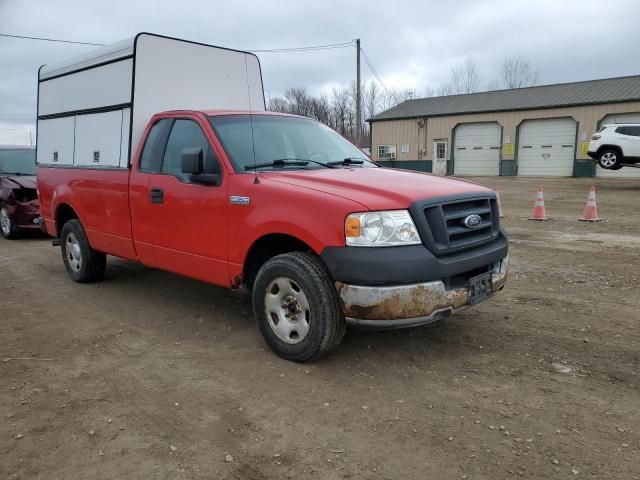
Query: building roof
[[607, 90]]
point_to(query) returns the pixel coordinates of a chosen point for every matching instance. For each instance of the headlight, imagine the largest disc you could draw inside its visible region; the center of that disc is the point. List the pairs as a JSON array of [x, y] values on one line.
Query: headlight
[[381, 229]]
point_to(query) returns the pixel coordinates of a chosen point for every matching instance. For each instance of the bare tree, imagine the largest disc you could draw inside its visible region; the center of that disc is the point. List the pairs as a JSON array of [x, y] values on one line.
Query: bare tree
[[371, 99], [465, 77], [277, 104], [429, 91], [395, 96], [321, 109], [300, 102], [444, 90], [340, 106], [338, 109], [517, 72]]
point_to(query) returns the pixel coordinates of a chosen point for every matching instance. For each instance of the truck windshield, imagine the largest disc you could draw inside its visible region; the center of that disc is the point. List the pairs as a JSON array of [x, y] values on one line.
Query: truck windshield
[[284, 143], [17, 161]]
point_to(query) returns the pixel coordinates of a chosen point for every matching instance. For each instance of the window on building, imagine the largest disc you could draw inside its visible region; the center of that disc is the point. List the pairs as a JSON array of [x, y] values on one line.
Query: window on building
[[386, 152], [440, 149]]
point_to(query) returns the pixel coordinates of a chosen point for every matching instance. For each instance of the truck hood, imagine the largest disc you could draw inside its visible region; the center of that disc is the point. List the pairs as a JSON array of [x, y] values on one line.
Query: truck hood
[[377, 188], [23, 181]]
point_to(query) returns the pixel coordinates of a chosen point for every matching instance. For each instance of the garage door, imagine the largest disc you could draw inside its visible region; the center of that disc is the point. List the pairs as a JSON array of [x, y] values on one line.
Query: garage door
[[621, 118], [625, 172], [477, 149], [547, 147]]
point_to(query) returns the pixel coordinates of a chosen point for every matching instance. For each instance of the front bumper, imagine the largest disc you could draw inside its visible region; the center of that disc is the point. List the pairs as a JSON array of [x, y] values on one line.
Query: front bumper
[[410, 305], [593, 155], [26, 215]]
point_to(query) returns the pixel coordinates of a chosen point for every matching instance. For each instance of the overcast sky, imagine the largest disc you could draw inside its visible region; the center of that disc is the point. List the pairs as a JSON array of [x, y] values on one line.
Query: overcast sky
[[411, 43]]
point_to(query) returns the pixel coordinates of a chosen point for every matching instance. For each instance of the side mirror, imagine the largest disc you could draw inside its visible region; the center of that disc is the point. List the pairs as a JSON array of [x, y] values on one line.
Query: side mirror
[[192, 164], [191, 161]]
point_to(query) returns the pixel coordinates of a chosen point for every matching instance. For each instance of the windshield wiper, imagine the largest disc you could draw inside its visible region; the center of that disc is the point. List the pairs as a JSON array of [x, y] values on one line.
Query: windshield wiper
[[285, 162], [348, 161], [278, 163]]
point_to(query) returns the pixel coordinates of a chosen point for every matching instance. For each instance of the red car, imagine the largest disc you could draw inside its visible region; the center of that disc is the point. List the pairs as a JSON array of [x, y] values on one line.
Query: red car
[[19, 205]]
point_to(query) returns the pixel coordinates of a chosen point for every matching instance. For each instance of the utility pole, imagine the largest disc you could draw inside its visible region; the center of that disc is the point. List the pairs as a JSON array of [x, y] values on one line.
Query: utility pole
[[358, 96]]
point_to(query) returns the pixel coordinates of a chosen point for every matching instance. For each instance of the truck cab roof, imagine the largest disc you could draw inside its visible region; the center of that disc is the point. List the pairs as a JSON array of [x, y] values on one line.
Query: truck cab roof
[[219, 112]]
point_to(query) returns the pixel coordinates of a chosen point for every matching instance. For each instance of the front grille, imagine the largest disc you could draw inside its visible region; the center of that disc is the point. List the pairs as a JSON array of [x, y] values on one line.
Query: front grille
[[447, 232]]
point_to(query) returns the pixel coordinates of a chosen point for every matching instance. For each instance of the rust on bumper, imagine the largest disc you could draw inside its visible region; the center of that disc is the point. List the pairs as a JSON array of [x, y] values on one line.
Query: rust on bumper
[[408, 305]]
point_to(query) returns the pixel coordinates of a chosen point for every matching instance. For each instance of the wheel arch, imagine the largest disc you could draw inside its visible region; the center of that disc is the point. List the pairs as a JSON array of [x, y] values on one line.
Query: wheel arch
[[617, 148], [266, 247], [64, 213]]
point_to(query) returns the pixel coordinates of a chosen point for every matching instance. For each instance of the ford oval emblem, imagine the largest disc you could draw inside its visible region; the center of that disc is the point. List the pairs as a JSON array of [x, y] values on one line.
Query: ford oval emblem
[[473, 221]]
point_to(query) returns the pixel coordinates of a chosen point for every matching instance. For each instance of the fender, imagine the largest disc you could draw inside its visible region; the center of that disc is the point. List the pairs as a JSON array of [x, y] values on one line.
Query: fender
[[611, 147], [285, 228], [237, 268], [60, 196]]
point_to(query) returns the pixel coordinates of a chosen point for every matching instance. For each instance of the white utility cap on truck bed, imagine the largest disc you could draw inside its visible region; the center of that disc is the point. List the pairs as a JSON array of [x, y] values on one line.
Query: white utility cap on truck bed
[[93, 109]]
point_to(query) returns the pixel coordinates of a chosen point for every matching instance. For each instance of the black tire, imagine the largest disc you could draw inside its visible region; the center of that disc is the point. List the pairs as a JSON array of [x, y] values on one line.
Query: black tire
[[324, 320], [7, 230], [610, 159], [74, 243]]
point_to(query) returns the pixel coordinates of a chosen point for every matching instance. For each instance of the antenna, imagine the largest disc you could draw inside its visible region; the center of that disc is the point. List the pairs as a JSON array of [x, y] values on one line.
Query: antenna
[[253, 144]]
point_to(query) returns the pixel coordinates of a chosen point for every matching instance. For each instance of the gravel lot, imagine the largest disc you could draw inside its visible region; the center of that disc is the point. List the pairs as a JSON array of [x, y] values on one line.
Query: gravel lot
[[149, 375]]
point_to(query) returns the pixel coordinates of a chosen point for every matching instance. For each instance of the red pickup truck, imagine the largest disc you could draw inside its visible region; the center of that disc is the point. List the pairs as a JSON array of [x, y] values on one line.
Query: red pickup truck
[[284, 206]]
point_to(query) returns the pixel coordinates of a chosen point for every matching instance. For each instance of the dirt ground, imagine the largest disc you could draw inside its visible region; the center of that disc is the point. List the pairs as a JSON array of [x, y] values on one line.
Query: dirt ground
[[149, 375]]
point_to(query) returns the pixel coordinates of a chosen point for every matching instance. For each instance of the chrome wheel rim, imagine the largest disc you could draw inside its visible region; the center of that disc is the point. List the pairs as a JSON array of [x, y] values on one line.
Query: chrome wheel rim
[[287, 310], [5, 221], [608, 159], [73, 252]]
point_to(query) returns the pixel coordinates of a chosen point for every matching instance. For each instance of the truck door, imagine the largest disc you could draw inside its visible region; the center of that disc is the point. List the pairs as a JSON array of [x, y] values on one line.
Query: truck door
[[185, 223], [141, 208]]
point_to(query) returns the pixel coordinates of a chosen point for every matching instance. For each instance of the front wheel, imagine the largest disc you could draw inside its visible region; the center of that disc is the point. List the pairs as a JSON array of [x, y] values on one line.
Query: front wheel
[[297, 307], [83, 263], [610, 160], [7, 227]]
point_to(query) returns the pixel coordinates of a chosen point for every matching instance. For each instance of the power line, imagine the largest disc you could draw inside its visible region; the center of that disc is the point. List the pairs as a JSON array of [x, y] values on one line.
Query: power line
[[375, 74], [262, 50], [304, 49], [43, 39]]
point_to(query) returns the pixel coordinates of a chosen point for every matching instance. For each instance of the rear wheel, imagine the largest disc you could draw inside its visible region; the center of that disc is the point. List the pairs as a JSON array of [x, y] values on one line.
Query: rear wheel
[[7, 227], [297, 307], [610, 160], [83, 263]]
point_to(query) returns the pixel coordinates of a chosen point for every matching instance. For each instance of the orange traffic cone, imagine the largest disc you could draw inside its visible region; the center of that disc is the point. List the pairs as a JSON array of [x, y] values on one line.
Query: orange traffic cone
[[591, 210], [499, 203], [539, 212]]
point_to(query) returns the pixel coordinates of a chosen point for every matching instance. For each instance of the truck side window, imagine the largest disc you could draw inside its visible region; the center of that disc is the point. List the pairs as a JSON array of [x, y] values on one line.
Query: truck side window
[[151, 158], [186, 134]]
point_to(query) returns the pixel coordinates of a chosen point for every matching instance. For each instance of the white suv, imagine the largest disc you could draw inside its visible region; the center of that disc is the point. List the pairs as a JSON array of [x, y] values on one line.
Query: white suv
[[615, 145]]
